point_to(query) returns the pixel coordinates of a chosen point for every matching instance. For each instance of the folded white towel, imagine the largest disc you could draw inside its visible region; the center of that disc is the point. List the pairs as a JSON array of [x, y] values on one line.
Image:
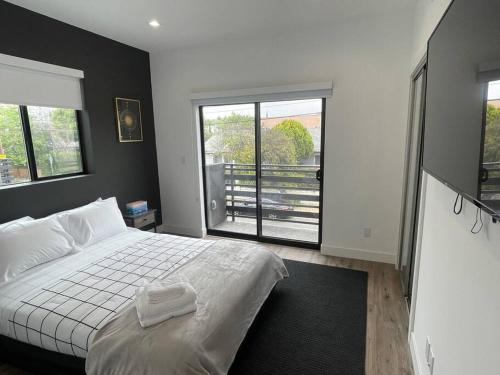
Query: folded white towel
[[160, 292], [159, 301]]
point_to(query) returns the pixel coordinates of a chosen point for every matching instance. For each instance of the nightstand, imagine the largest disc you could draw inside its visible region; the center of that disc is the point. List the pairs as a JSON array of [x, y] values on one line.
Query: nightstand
[[143, 221]]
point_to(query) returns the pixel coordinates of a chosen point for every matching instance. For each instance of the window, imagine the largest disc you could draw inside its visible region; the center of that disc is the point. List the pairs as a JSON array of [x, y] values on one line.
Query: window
[[317, 159], [490, 186], [38, 143], [13, 158], [40, 127], [56, 142]]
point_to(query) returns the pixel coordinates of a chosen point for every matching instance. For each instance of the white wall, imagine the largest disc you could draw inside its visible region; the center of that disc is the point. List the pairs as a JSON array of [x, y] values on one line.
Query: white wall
[[457, 296], [368, 60], [426, 17]]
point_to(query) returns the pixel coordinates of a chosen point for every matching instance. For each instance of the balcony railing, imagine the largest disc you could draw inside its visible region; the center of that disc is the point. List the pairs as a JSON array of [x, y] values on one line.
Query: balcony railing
[[289, 193], [491, 188]]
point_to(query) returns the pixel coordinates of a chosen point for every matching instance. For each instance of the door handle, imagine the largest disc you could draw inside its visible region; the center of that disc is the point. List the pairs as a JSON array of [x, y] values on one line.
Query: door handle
[[318, 175]]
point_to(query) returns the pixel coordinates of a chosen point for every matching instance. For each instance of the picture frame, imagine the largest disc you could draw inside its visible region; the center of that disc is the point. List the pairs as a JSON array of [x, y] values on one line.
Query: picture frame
[[128, 120]]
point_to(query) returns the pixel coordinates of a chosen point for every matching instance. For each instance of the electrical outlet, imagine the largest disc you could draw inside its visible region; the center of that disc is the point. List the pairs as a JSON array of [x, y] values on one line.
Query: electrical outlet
[[367, 232]]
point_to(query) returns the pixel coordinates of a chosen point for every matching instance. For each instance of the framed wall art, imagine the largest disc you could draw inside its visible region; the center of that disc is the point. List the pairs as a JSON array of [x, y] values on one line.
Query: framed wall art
[[128, 119]]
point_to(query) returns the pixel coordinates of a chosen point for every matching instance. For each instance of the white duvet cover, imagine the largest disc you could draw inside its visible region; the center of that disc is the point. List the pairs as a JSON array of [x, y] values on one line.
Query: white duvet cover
[[232, 280], [82, 304], [61, 305]]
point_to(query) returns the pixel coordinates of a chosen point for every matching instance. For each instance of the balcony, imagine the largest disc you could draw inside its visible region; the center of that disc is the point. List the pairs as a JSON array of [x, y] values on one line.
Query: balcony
[[490, 189], [289, 201]]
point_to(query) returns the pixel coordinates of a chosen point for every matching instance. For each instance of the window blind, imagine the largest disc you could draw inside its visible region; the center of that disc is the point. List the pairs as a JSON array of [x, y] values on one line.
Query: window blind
[[29, 82], [264, 94]]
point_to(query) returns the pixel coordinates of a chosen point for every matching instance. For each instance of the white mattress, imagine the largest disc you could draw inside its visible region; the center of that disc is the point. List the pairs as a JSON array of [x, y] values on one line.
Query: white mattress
[[60, 305]]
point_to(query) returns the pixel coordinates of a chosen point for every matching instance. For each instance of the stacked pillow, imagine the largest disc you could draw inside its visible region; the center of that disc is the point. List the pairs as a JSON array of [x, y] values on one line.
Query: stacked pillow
[[15, 223], [26, 243], [94, 222]]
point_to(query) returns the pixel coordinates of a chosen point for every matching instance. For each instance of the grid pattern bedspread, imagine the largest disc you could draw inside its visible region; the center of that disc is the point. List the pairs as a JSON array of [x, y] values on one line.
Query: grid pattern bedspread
[[64, 314]]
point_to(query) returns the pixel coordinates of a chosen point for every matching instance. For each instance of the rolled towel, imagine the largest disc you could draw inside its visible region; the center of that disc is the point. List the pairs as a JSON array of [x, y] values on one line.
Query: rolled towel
[[156, 307]]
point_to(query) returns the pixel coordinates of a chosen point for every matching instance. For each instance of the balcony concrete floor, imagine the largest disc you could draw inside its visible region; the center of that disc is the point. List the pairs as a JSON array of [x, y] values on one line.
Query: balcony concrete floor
[[270, 228]]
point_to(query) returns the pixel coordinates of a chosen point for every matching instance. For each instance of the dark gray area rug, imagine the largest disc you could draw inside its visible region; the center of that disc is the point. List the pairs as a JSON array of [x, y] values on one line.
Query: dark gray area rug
[[314, 322]]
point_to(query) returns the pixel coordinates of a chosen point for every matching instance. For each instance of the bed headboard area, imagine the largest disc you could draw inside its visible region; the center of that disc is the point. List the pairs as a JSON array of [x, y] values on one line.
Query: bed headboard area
[[126, 170]]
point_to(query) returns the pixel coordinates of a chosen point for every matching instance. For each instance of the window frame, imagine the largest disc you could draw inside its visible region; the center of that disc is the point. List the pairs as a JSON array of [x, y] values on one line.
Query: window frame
[[30, 152]]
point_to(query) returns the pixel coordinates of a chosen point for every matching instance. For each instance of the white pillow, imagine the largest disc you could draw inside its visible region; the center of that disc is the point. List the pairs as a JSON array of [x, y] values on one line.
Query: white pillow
[[15, 223], [31, 244], [62, 213], [94, 222]]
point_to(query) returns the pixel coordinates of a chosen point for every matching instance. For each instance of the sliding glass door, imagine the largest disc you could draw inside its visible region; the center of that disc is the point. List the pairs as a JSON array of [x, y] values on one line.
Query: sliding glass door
[[262, 170], [290, 169], [229, 168]]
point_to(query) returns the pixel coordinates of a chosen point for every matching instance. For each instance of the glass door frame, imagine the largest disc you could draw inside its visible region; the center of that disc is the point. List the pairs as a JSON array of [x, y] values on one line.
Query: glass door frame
[[258, 177]]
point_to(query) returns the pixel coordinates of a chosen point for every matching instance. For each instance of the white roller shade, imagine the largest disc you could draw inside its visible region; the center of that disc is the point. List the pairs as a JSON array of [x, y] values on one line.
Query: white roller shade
[[265, 94], [28, 82]]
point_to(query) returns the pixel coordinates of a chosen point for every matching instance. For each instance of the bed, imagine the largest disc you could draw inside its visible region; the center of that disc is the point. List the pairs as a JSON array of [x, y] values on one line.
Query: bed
[[82, 305]]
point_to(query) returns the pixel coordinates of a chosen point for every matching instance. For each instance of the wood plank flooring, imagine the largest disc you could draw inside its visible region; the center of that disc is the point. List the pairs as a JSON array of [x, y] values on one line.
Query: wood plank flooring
[[387, 351]]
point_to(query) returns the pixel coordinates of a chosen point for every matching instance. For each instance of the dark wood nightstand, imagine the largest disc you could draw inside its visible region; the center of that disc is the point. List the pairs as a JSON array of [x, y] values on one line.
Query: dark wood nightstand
[[143, 221]]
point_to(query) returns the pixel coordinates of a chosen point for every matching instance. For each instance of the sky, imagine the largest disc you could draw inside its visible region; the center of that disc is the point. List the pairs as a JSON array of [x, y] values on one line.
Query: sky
[[494, 90], [267, 109]]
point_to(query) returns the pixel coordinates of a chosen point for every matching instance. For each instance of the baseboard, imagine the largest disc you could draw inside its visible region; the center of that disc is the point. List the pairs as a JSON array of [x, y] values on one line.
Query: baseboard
[[183, 231], [414, 355], [370, 255]]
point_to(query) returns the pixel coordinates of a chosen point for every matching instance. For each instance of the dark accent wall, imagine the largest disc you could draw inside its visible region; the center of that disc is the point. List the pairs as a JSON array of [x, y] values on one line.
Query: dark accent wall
[[125, 170]]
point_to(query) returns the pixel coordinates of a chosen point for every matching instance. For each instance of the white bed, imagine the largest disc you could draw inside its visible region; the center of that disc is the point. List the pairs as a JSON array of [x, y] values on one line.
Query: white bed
[[82, 304]]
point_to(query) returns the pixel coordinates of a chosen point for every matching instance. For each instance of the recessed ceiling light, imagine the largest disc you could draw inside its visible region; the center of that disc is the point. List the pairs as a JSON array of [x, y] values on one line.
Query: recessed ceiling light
[[154, 23]]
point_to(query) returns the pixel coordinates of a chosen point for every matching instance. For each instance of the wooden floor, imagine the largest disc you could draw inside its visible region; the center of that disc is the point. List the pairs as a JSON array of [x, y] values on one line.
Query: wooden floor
[[387, 350]]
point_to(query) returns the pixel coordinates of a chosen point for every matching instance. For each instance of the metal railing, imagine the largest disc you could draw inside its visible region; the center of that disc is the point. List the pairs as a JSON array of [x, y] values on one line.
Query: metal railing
[[6, 171], [289, 193], [492, 185]]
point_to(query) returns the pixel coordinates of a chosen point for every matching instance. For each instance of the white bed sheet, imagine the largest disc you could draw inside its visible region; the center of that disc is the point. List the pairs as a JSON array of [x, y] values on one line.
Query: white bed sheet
[[60, 305]]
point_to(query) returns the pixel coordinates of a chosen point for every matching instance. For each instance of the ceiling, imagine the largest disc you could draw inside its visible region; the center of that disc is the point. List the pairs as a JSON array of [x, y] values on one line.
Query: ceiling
[[186, 23]]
